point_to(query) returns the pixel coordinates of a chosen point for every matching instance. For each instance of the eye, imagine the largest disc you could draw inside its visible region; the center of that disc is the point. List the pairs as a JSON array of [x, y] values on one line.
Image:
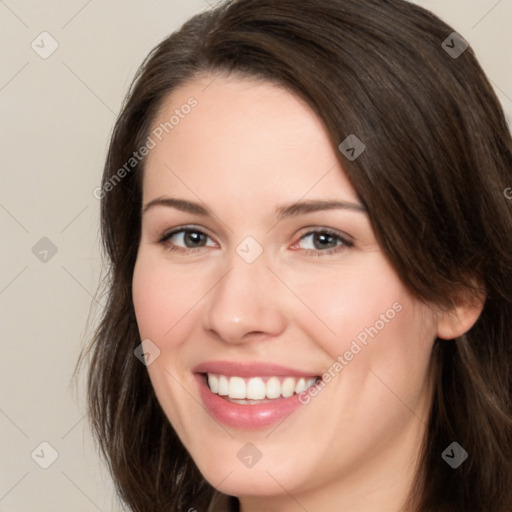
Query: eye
[[185, 239], [321, 242]]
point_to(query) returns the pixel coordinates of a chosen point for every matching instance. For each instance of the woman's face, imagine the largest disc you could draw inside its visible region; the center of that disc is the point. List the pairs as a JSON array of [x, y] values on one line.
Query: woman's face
[[264, 285]]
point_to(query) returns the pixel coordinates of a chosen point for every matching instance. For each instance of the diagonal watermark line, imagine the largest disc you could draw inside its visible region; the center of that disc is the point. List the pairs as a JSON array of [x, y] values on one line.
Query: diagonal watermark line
[[14, 423], [486, 14], [501, 90], [303, 196], [14, 76], [197, 196], [14, 485], [224, 479], [197, 401], [13, 13], [12, 280], [14, 218], [198, 302], [421, 419], [216, 3], [74, 218], [280, 423], [88, 87], [81, 286], [72, 428], [75, 15], [301, 300], [208, 84], [81, 491], [286, 491]]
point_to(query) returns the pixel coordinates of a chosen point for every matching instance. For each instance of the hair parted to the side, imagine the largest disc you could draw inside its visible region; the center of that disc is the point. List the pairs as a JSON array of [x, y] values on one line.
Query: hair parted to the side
[[438, 158]]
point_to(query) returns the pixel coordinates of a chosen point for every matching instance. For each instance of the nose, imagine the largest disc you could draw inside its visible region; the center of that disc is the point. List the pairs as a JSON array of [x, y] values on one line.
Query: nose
[[246, 303]]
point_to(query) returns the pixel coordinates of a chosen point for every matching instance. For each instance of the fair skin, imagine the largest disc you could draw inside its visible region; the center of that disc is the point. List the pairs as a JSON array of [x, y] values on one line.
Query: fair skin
[[247, 148]]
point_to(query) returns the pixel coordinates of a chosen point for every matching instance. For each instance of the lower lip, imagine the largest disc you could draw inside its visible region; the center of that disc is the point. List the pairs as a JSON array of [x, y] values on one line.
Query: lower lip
[[246, 416]]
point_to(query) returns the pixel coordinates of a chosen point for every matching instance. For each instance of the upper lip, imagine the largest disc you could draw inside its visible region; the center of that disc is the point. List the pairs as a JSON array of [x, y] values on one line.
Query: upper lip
[[248, 369]]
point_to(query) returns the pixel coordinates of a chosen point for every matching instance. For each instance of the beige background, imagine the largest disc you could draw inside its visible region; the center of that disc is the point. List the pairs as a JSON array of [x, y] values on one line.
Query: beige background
[[56, 118]]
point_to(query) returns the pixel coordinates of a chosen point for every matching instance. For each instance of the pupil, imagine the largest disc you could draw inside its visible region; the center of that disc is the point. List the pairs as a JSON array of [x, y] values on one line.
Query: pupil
[[322, 237], [194, 237]]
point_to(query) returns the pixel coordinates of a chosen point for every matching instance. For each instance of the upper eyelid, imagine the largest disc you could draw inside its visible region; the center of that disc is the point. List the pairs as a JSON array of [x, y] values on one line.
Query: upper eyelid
[[307, 230], [179, 229]]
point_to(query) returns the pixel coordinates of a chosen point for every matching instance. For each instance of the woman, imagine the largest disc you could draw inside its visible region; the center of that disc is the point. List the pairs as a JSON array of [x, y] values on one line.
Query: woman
[[310, 257]]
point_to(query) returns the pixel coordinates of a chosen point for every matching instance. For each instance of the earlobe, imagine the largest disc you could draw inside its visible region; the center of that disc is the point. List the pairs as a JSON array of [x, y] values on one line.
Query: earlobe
[[455, 322]]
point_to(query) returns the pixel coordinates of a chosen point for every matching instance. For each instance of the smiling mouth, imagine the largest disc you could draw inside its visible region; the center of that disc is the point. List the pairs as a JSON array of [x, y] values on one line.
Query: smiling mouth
[[256, 390]]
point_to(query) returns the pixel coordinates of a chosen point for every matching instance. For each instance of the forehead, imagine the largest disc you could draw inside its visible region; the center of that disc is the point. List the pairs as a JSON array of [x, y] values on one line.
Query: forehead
[[244, 139]]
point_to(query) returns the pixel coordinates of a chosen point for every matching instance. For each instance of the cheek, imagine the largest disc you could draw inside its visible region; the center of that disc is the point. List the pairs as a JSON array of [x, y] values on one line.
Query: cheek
[[351, 302], [161, 296], [150, 299], [365, 320], [163, 302]]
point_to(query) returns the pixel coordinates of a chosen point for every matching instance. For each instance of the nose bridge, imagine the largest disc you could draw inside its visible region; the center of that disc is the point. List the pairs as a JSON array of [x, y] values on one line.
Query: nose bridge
[[246, 299]]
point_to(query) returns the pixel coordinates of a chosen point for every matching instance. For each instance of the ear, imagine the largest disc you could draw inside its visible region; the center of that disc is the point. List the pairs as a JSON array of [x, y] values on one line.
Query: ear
[[455, 322]]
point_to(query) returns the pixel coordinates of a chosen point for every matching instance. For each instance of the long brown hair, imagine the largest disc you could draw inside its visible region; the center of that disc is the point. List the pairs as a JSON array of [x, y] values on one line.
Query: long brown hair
[[438, 159]]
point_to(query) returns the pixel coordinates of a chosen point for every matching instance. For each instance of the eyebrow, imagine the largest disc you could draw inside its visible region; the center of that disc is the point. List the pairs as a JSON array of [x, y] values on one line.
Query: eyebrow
[[282, 212]]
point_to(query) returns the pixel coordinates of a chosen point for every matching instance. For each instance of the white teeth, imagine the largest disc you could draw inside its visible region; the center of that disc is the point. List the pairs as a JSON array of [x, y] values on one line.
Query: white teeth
[[237, 388], [255, 388], [223, 386], [310, 383], [273, 388], [213, 382], [288, 387], [300, 386]]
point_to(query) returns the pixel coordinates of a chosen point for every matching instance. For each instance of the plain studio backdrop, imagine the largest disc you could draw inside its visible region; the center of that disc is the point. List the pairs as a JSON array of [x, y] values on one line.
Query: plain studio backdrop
[[66, 67]]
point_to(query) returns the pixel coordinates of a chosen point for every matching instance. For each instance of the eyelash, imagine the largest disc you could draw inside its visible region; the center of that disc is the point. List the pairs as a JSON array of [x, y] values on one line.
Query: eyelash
[[345, 243]]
